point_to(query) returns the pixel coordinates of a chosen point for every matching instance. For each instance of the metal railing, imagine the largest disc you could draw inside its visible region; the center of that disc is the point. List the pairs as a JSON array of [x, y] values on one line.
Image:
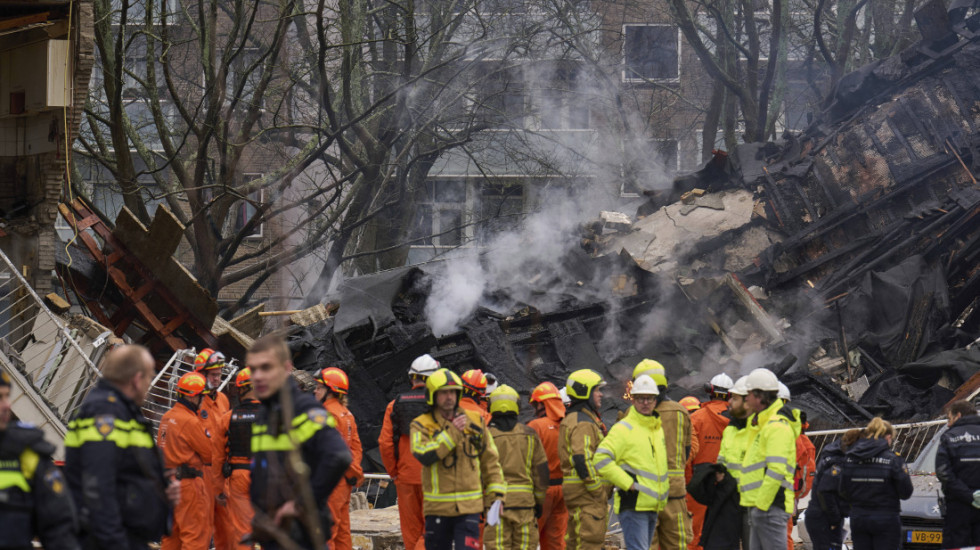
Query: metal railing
[[162, 393], [374, 487], [909, 440], [50, 360]]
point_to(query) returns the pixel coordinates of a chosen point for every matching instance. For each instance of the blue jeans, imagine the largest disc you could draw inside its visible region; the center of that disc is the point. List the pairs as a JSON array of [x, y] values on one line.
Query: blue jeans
[[638, 528]]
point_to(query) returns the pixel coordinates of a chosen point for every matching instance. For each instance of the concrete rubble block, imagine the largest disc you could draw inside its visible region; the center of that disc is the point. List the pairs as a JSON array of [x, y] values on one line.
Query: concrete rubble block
[[613, 222], [377, 529], [857, 388]]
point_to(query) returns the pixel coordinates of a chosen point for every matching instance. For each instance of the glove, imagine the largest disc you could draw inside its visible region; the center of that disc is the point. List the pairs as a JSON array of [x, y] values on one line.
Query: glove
[[976, 498], [538, 510], [352, 481], [493, 516]]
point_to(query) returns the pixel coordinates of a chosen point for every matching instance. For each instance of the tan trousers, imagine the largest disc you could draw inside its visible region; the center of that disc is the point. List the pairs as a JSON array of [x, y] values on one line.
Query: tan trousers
[[517, 529], [673, 526], [587, 526]]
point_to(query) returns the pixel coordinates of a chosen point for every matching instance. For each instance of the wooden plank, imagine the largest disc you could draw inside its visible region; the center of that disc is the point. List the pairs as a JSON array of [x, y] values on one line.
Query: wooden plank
[[758, 313], [24, 20]]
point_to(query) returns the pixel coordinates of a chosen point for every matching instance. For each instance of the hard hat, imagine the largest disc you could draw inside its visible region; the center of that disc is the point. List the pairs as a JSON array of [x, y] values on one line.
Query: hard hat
[[335, 379], [545, 390], [740, 387], [722, 381], [581, 383], [4, 378], [492, 383], [564, 397], [690, 403], [243, 378], [442, 379], [762, 379], [424, 365], [653, 369], [475, 381], [783, 392], [208, 359], [644, 385], [192, 384], [504, 400]]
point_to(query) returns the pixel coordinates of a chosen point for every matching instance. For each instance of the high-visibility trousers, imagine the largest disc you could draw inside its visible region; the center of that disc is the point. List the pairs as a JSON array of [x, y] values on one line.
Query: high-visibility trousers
[[240, 506], [673, 526], [698, 511], [339, 504], [587, 526], [410, 514], [192, 518], [553, 520], [516, 530]]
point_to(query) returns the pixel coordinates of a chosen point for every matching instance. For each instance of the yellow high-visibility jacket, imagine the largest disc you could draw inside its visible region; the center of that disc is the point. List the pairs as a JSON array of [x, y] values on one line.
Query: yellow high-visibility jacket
[[770, 460], [734, 441], [524, 464], [676, 423], [635, 451], [458, 467], [578, 438]]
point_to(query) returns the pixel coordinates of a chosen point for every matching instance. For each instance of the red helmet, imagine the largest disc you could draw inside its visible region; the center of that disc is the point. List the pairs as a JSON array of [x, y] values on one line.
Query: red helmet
[[545, 390], [475, 381], [335, 379], [244, 378], [690, 403], [191, 384], [209, 359]]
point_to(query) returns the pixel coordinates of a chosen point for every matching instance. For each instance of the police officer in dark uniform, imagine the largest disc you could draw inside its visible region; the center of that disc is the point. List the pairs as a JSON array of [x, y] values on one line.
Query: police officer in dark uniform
[[958, 469], [874, 479], [34, 499], [288, 501], [826, 513], [113, 466]]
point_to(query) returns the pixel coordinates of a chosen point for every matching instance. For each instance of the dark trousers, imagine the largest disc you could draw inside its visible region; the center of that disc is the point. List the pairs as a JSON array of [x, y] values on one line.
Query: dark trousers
[[818, 527], [875, 530], [442, 532], [962, 526]]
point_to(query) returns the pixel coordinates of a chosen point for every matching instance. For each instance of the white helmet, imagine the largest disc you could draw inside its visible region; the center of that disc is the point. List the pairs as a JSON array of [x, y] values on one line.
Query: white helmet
[[762, 379], [644, 385], [424, 366], [722, 381], [564, 397], [740, 387], [492, 382], [783, 392]]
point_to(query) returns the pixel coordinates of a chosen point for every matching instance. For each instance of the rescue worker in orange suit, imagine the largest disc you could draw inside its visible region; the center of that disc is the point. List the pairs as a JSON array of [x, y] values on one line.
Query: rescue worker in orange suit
[[806, 460], [708, 423], [396, 451], [546, 399], [213, 408], [185, 440], [673, 530], [474, 393], [332, 386], [238, 429]]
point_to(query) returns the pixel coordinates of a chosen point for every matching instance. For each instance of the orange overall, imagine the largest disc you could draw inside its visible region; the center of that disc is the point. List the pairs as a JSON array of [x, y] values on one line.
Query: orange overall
[[339, 501], [554, 515], [709, 424], [185, 444], [213, 408], [405, 470], [238, 429], [470, 404], [806, 464]]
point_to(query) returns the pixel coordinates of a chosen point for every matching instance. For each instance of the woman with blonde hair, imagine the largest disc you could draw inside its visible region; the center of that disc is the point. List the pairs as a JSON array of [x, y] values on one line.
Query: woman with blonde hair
[[874, 479]]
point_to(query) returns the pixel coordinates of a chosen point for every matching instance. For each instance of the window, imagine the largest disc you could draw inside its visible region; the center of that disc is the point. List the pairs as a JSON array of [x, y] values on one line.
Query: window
[[501, 93], [501, 209], [245, 73], [652, 52], [667, 154], [439, 215], [560, 105], [245, 210]]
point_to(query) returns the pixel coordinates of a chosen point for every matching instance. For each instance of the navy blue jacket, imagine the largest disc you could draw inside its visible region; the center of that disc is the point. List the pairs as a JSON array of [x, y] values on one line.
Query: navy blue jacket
[[874, 478], [958, 459], [826, 484]]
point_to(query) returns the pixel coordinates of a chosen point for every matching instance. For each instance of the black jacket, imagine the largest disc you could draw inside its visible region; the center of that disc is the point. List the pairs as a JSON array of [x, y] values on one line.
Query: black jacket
[[874, 478], [115, 472], [321, 447], [34, 498], [826, 485], [958, 459], [723, 518]]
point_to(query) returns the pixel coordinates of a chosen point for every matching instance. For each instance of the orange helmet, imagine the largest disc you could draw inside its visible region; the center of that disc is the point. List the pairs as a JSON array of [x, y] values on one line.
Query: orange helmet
[[191, 384], [243, 378], [209, 359], [335, 379], [475, 381], [545, 390], [690, 403]]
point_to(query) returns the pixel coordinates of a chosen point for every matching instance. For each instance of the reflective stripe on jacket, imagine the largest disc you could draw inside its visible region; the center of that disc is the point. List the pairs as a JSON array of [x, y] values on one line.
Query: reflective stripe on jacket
[[458, 468], [770, 460], [524, 465], [579, 436], [676, 424], [635, 451]]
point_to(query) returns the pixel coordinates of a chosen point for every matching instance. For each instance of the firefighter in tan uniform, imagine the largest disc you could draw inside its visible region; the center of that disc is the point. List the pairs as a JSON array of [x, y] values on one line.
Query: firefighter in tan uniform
[[674, 530], [581, 431], [525, 468], [460, 467]]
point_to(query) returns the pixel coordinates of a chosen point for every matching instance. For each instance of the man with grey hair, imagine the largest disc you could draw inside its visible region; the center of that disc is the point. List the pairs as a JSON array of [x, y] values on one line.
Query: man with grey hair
[[112, 464]]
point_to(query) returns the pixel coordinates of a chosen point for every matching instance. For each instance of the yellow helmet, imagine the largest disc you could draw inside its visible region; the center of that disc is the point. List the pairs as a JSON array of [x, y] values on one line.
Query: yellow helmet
[[653, 369], [581, 383], [442, 379], [504, 400]]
